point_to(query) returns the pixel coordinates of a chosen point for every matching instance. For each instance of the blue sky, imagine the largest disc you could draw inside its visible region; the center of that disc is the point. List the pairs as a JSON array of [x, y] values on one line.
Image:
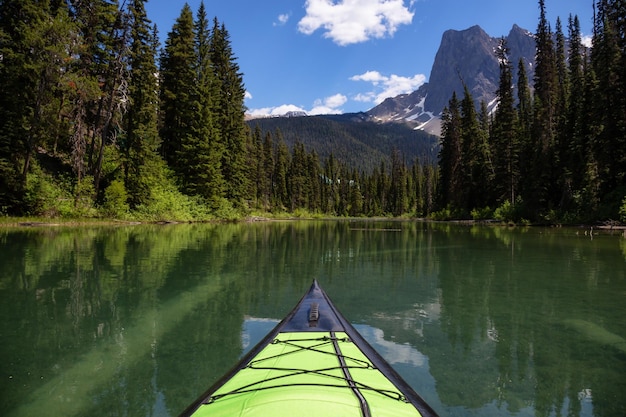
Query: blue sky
[[340, 56]]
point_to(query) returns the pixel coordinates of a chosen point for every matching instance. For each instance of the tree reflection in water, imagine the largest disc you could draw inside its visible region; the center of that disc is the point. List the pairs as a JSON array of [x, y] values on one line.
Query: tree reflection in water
[[480, 320]]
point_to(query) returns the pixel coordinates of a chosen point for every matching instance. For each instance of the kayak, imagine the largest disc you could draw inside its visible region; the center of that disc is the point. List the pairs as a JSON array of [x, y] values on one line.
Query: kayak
[[313, 363]]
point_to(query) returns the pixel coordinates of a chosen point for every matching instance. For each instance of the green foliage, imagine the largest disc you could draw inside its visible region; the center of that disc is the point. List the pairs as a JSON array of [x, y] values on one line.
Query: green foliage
[[484, 213], [306, 214], [83, 198], [115, 200], [48, 196], [169, 204], [441, 215], [448, 213], [510, 212], [622, 211], [224, 209]]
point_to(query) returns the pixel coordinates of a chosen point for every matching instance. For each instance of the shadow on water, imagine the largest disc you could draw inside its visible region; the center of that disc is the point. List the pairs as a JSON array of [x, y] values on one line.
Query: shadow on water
[[480, 320]]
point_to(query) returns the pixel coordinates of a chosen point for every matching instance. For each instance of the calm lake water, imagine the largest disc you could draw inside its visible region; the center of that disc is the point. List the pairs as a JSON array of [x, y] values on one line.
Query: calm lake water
[[481, 321]]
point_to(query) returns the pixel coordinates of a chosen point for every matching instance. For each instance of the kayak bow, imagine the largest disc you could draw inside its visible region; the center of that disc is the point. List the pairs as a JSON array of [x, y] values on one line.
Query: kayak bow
[[313, 363]]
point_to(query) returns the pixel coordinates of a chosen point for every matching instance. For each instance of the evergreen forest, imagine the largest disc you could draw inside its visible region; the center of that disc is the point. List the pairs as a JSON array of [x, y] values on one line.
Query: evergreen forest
[[98, 119], [555, 152]]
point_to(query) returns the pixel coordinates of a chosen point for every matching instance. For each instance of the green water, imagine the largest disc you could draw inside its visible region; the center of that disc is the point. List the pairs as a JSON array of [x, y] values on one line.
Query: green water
[[481, 321]]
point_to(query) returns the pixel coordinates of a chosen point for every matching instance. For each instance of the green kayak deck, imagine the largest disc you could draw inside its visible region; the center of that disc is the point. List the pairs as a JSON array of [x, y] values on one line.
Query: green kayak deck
[[314, 363]]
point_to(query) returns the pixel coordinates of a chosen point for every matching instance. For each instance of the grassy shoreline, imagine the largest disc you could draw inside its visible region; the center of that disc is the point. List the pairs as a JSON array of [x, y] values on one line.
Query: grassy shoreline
[[28, 222]]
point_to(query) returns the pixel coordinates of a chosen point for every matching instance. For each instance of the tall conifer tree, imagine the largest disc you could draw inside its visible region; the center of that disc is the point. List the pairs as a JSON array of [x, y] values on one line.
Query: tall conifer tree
[[142, 140], [398, 199], [355, 206], [609, 63], [279, 185], [297, 178], [37, 45], [577, 150], [505, 144], [268, 170], [484, 170], [562, 175], [542, 172], [230, 112], [314, 171], [199, 157], [450, 155], [331, 177], [178, 87], [472, 159]]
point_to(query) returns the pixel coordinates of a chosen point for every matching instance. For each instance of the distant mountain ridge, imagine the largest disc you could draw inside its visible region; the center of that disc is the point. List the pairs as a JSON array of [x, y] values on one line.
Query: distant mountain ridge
[[466, 56], [352, 138]]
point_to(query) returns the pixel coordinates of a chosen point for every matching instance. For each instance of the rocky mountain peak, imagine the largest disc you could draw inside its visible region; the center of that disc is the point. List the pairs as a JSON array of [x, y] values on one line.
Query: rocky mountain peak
[[465, 58]]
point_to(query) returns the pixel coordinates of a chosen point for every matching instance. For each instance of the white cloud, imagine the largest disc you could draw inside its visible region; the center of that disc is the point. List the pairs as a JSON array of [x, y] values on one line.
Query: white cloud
[[247, 95], [329, 105], [274, 111], [282, 19], [587, 40], [387, 86], [353, 21], [335, 101], [373, 77]]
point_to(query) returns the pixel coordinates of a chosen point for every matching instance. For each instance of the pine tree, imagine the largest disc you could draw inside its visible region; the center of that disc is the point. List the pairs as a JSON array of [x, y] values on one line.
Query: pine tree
[[344, 189], [36, 48], [314, 171], [591, 128], [474, 155], [563, 176], [199, 157], [331, 180], [383, 185], [355, 206], [524, 128], [372, 204], [398, 199], [542, 172], [280, 193], [230, 112], [484, 168], [431, 188], [255, 163], [416, 188], [18, 79], [577, 149], [609, 61], [142, 139], [504, 139], [297, 178], [178, 89], [268, 171], [450, 155]]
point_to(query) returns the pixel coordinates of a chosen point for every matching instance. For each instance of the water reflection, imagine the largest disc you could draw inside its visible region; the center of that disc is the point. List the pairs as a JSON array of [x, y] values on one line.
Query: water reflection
[[480, 320]]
